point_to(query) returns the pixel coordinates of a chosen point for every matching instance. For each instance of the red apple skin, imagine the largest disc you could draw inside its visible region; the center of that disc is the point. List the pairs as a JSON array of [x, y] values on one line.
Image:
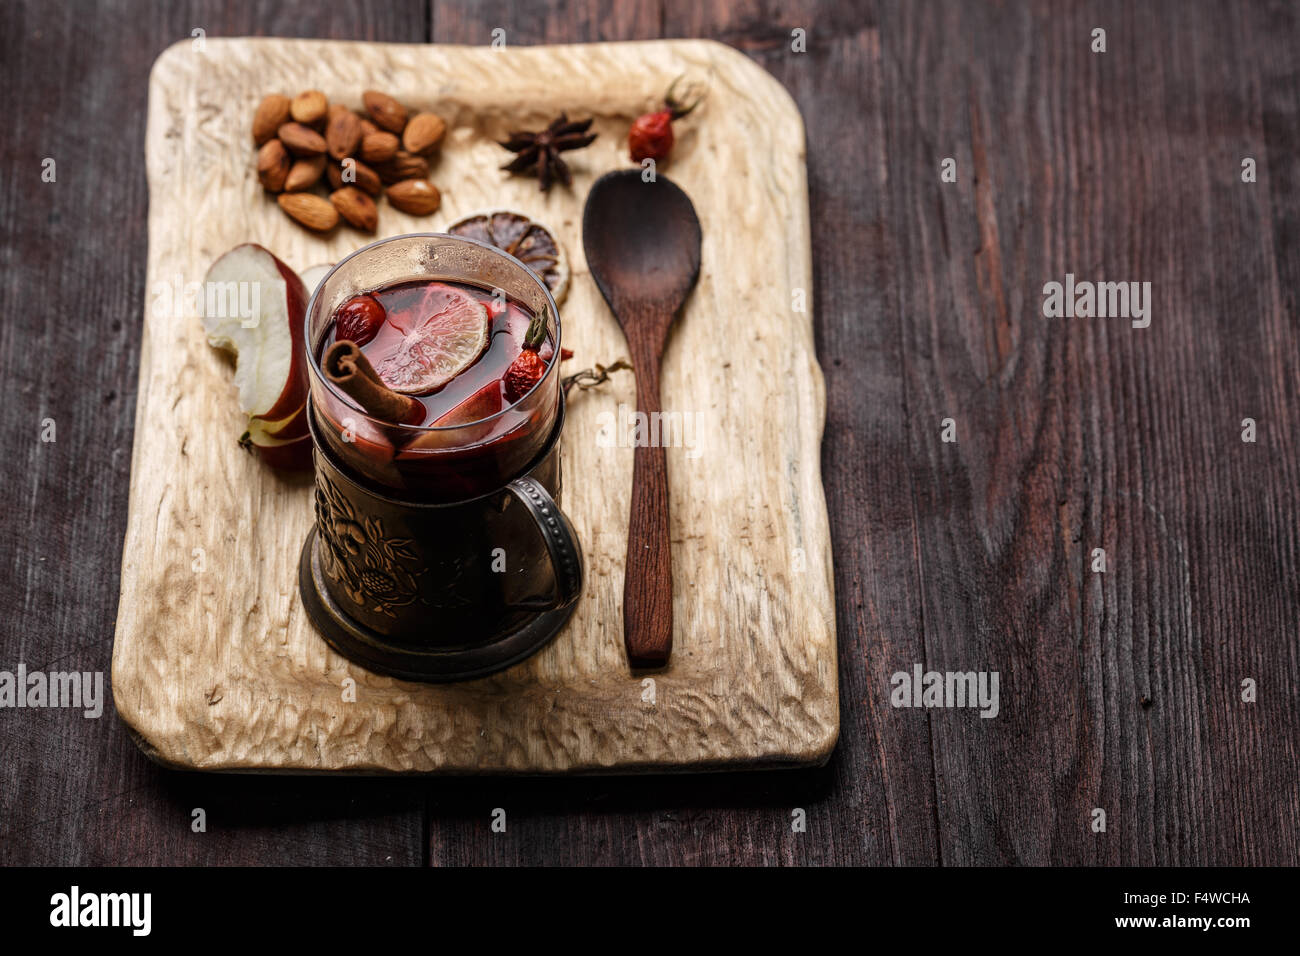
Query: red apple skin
[[484, 403], [294, 455], [296, 387], [295, 426]]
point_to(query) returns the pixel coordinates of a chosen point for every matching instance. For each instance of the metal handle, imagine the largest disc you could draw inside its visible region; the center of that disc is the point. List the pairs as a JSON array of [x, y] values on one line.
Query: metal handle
[[561, 543]]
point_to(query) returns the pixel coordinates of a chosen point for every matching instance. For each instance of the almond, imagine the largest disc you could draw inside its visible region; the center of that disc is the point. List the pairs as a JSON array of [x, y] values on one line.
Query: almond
[[272, 165], [309, 210], [357, 174], [272, 113], [301, 141], [309, 108], [419, 197], [423, 133], [386, 112], [402, 166], [367, 127], [379, 147], [343, 133], [304, 174], [356, 207]]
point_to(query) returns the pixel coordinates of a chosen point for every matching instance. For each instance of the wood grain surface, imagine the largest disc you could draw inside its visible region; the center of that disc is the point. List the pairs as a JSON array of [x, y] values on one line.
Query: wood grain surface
[[1120, 692]]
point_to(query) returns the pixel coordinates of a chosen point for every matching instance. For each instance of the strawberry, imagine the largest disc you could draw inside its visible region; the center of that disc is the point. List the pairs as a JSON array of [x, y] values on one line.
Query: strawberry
[[528, 367], [359, 319]]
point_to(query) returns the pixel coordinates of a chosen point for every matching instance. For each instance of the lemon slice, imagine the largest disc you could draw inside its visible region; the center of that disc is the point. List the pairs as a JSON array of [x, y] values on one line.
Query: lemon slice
[[530, 242], [449, 338]]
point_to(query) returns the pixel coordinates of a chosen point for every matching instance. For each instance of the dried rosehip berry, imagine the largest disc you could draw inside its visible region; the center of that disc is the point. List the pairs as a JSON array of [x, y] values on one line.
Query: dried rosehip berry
[[359, 319], [651, 136], [524, 372], [528, 367]]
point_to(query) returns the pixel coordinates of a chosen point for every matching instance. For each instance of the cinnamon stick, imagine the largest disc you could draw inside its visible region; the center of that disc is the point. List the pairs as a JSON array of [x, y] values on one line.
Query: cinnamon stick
[[347, 367]]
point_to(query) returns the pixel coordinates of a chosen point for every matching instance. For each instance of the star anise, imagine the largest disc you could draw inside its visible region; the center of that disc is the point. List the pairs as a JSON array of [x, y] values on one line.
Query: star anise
[[539, 153]]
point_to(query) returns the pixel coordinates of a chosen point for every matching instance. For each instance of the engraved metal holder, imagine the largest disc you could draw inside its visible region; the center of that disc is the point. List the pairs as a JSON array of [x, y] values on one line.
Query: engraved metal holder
[[440, 592], [404, 582]]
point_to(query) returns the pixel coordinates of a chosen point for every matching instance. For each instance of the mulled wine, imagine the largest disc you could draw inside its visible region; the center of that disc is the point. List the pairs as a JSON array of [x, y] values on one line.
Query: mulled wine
[[440, 551], [473, 365]]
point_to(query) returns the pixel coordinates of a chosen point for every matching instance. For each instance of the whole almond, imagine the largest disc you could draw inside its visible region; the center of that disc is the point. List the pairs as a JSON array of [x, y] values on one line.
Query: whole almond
[[309, 210], [386, 112], [309, 108], [272, 165], [419, 197], [423, 133], [301, 141], [304, 174], [356, 207], [272, 113], [403, 165], [357, 173], [379, 147], [343, 134], [367, 127]]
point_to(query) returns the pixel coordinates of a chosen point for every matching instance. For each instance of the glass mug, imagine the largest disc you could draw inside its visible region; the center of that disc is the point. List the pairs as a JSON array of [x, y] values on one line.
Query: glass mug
[[439, 553]]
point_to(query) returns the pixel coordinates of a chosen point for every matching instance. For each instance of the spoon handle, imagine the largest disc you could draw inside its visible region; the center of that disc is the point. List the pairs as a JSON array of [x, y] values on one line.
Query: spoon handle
[[648, 579]]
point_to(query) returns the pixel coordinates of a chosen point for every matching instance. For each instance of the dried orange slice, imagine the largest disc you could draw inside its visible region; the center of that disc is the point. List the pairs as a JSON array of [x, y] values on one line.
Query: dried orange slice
[[448, 338], [530, 242]]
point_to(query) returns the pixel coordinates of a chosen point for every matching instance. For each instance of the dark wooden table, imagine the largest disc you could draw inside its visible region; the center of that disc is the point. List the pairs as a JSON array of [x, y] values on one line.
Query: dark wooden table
[[1120, 691]]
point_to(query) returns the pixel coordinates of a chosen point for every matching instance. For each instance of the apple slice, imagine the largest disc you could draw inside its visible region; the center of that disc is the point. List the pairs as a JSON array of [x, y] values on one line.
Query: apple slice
[[291, 426], [266, 335], [311, 277], [482, 404], [485, 402]]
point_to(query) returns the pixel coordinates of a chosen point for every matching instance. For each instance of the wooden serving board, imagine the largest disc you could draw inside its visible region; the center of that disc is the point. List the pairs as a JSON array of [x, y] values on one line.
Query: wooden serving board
[[215, 664]]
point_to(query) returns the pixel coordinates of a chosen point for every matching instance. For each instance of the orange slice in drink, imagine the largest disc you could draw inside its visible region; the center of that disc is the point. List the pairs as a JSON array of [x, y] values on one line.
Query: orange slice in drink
[[449, 335]]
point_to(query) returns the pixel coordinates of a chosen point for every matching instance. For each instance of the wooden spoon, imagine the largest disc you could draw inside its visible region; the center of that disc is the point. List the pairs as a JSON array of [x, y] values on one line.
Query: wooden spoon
[[642, 241]]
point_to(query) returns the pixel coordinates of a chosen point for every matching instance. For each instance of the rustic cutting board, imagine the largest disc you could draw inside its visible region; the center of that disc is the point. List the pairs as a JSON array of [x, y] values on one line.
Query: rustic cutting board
[[215, 665]]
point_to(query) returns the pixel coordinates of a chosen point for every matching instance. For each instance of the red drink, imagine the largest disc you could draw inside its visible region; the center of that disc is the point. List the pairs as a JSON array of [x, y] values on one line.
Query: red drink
[[485, 408], [436, 434], [479, 391]]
